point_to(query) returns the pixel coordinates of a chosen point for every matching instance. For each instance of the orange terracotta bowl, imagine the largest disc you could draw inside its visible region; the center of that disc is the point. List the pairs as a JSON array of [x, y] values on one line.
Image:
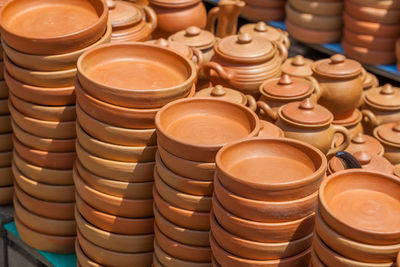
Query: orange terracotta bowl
[[6, 195], [6, 158], [312, 36], [6, 143], [369, 41], [5, 124], [324, 8], [368, 56], [6, 177], [268, 4], [257, 13], [3, 89], [372, 14], [82, 259], [270, 130]]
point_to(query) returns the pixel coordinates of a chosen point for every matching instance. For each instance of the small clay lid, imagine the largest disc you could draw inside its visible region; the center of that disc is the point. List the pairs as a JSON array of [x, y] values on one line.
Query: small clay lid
[[182, 49], [389, 132], [363, 142], [223, 93], [307, 113], [287, 87], [263, 30], [270, 130], [354, 118], [385, 97], [298, 66], [370, 81], [194, 37], [337, 66], [123, 13]]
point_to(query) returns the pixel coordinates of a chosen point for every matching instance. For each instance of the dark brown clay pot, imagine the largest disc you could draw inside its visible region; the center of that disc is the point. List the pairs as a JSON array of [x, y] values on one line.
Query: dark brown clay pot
[[387, 4], [321, 8], [368, 56], [369, 41], [82, 259], [372, 14], [7, 177], [269, 4], [6, 195], [312, 36], [256, 13]]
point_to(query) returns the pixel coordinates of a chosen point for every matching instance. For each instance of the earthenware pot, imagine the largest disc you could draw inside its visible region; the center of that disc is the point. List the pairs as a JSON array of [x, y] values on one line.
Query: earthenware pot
[[5, 158], [269, 4], [263, 30], [174, 16], [82, 259], [270, 130], [243, 62], [321, 8], [87, 22], [353, 219], [366, 143], [6, 195], [3, 89], [389, 136], [6, 142], [388, 4], [370, 81], [369, 41], [256, 13], [312, 36], [5, 124], [368, 56], [352, 123], [6, 176], [4, 106], [372, 14], [187, 130], [298, 66]]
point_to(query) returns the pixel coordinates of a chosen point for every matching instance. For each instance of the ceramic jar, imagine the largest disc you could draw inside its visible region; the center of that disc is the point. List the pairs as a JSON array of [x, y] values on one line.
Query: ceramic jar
[[244, 62], [353, 123], [298, 66], [389, 136], [366, 143]]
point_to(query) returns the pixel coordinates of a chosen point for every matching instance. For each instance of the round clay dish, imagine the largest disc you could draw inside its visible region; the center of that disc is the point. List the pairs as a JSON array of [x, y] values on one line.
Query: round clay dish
[[312, 36], [82, 259], [6, 195], [369, 41], [321, 8], [256, 13], [368, 56], [371, 14]]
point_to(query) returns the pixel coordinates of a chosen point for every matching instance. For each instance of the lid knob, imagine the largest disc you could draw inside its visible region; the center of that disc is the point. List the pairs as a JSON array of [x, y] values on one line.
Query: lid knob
[[162, 42], [261, 27], [359, 139], [244, 38], [337, 59], [111, 4], [298, 60], [363, 157], [306, 104], [193, 31], [218, 91], [285, 80], [396, 127], [387, 89]]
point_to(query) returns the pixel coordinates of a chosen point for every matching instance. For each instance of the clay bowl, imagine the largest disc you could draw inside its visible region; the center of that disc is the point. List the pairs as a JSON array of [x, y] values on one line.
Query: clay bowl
[[372, 14], [324, 8], [131, 65], [49, 243], [5, 124], [115, 135], [52, 62], [195, 129], [107, 257], [82, 259], [43, 175], [182, 251], [368, 56], [115, 152], [225, 258], [115, 170], [363, 208], [5, 158], [312, 36], [6, 176], [352, 249], [115, 188], [369, 41], [6, 142], [193, 220], [131, 208], [180, 199], [61, 96], [3, 89], [112, 223], [47, 129], [256, 13], [6, 195], [257, 250], [44, 225], [53, 210], [181, 183], [315, 261], [74, 25], [62, 78], [388, 4], [4, 106]]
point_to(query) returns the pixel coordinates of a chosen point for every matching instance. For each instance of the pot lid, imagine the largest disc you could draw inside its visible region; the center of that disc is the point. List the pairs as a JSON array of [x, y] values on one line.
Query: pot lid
[[298, 66], [123, 13], [337, 66], [270, 130], [263, 30], [221, 92], [389, 132], [384, 97], [363, 142], [182, 49], [194, 37], [174, 3], [306, 112], [355, 117], [287, 86], [370, 81]]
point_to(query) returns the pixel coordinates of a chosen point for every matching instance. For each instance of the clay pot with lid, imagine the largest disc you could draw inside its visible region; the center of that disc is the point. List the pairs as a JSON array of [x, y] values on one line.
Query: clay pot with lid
[[308, 122], [353, 123], [389, 136], [298, 66], [366, 143], [243, 62]]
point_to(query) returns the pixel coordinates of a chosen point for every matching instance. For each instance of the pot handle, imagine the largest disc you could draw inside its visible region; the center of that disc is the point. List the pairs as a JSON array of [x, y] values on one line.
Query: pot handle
[[212, 18], [348, 160], [371, 117], [285, 38], [251, 102], [200, 58], [317, 88], [151, 17], [283, 51], [346, 141], [221, 72], [267, 110]]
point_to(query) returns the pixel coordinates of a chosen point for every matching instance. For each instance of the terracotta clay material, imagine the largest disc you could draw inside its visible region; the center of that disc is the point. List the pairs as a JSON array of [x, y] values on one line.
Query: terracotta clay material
[[312, 36], [5, 158], [5, 124], [366, 143], [322, 8], [315, 261], [3, 89], [388, 136], [352, 123], [298, 66], [386, 4], [6, 175], [368, 56], [4, 106], [269, 4], [6, 195], [6, 142], [371, 14], [82, 259], [369, 41], [377, 198], [75, 25], [257, 13], [270, 130]]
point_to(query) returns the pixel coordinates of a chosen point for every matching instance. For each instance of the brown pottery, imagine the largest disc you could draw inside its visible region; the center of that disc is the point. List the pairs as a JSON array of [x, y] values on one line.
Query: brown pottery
[[82, 259], [5, 124], [3, 89], [6, 142], [5, 158], [6, 176], [369, 41], [368, 56], [257, 13], [389, 136], [365, 143], [312, 36], [372, 14], [6, 195], [386, 4], [352, 123], [298, 66], [321, 8]]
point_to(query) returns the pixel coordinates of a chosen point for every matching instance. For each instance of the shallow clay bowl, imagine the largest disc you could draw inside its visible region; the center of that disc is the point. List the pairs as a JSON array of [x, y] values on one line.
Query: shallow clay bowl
[[42, 224], [195, 129], [378, 15], [181, 183], [6, 195], [324, 8], [116, 170], [131, 208], [315, 261], [6, 142], [112, 241], [257, 250], [256, 13], [6, 158], [368, 56], [5, 124], [369, 41], [41, 95], [112, 223], [74, 25], [312, 36], [115, 135], [82, 259], [107, 257], [3, 89], [128, 190], [193, 220], [52, 62], [271, 169], [364, 208], [114, 152], [6, 176], [123, 74]]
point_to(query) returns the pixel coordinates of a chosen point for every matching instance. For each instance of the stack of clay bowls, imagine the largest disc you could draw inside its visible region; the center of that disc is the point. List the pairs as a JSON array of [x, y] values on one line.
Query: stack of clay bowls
[[314, 21], [371, 29], [357, 221], [40, 60], [272, 10], [190, 132], [265, 194], [118, 96]]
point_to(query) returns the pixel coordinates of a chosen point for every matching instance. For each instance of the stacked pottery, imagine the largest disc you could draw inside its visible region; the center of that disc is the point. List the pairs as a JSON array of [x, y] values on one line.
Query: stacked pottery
[[357, 221], [118, 96], [272, 10], [40, 65], [371, 29], [314, 21], [190, 132], [265, 194]]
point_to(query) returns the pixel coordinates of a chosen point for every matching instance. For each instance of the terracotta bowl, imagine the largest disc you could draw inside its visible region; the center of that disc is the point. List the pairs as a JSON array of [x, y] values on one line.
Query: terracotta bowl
[[268, 4], [203, 171], [44, 225], [257, 250], [5, 124], [61, 96], [324, 8], [115, 135], [6, 195], [270, 130], [115, 170], [312, 36], [369, 41], [87, 22], [115, 152], [131, 65], [4, 106], [364, 208], [3, 89], [195, 129], [6, 176], [82, 259], [372, 14], [225, 258], [52, 62], [130, 208], [112, 223], [368, 56], [107, 257], [389, 4], [6, 158], [257, 13], [315, 261], [6, 142], [47, 129], [193, 220], [133, 190]]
